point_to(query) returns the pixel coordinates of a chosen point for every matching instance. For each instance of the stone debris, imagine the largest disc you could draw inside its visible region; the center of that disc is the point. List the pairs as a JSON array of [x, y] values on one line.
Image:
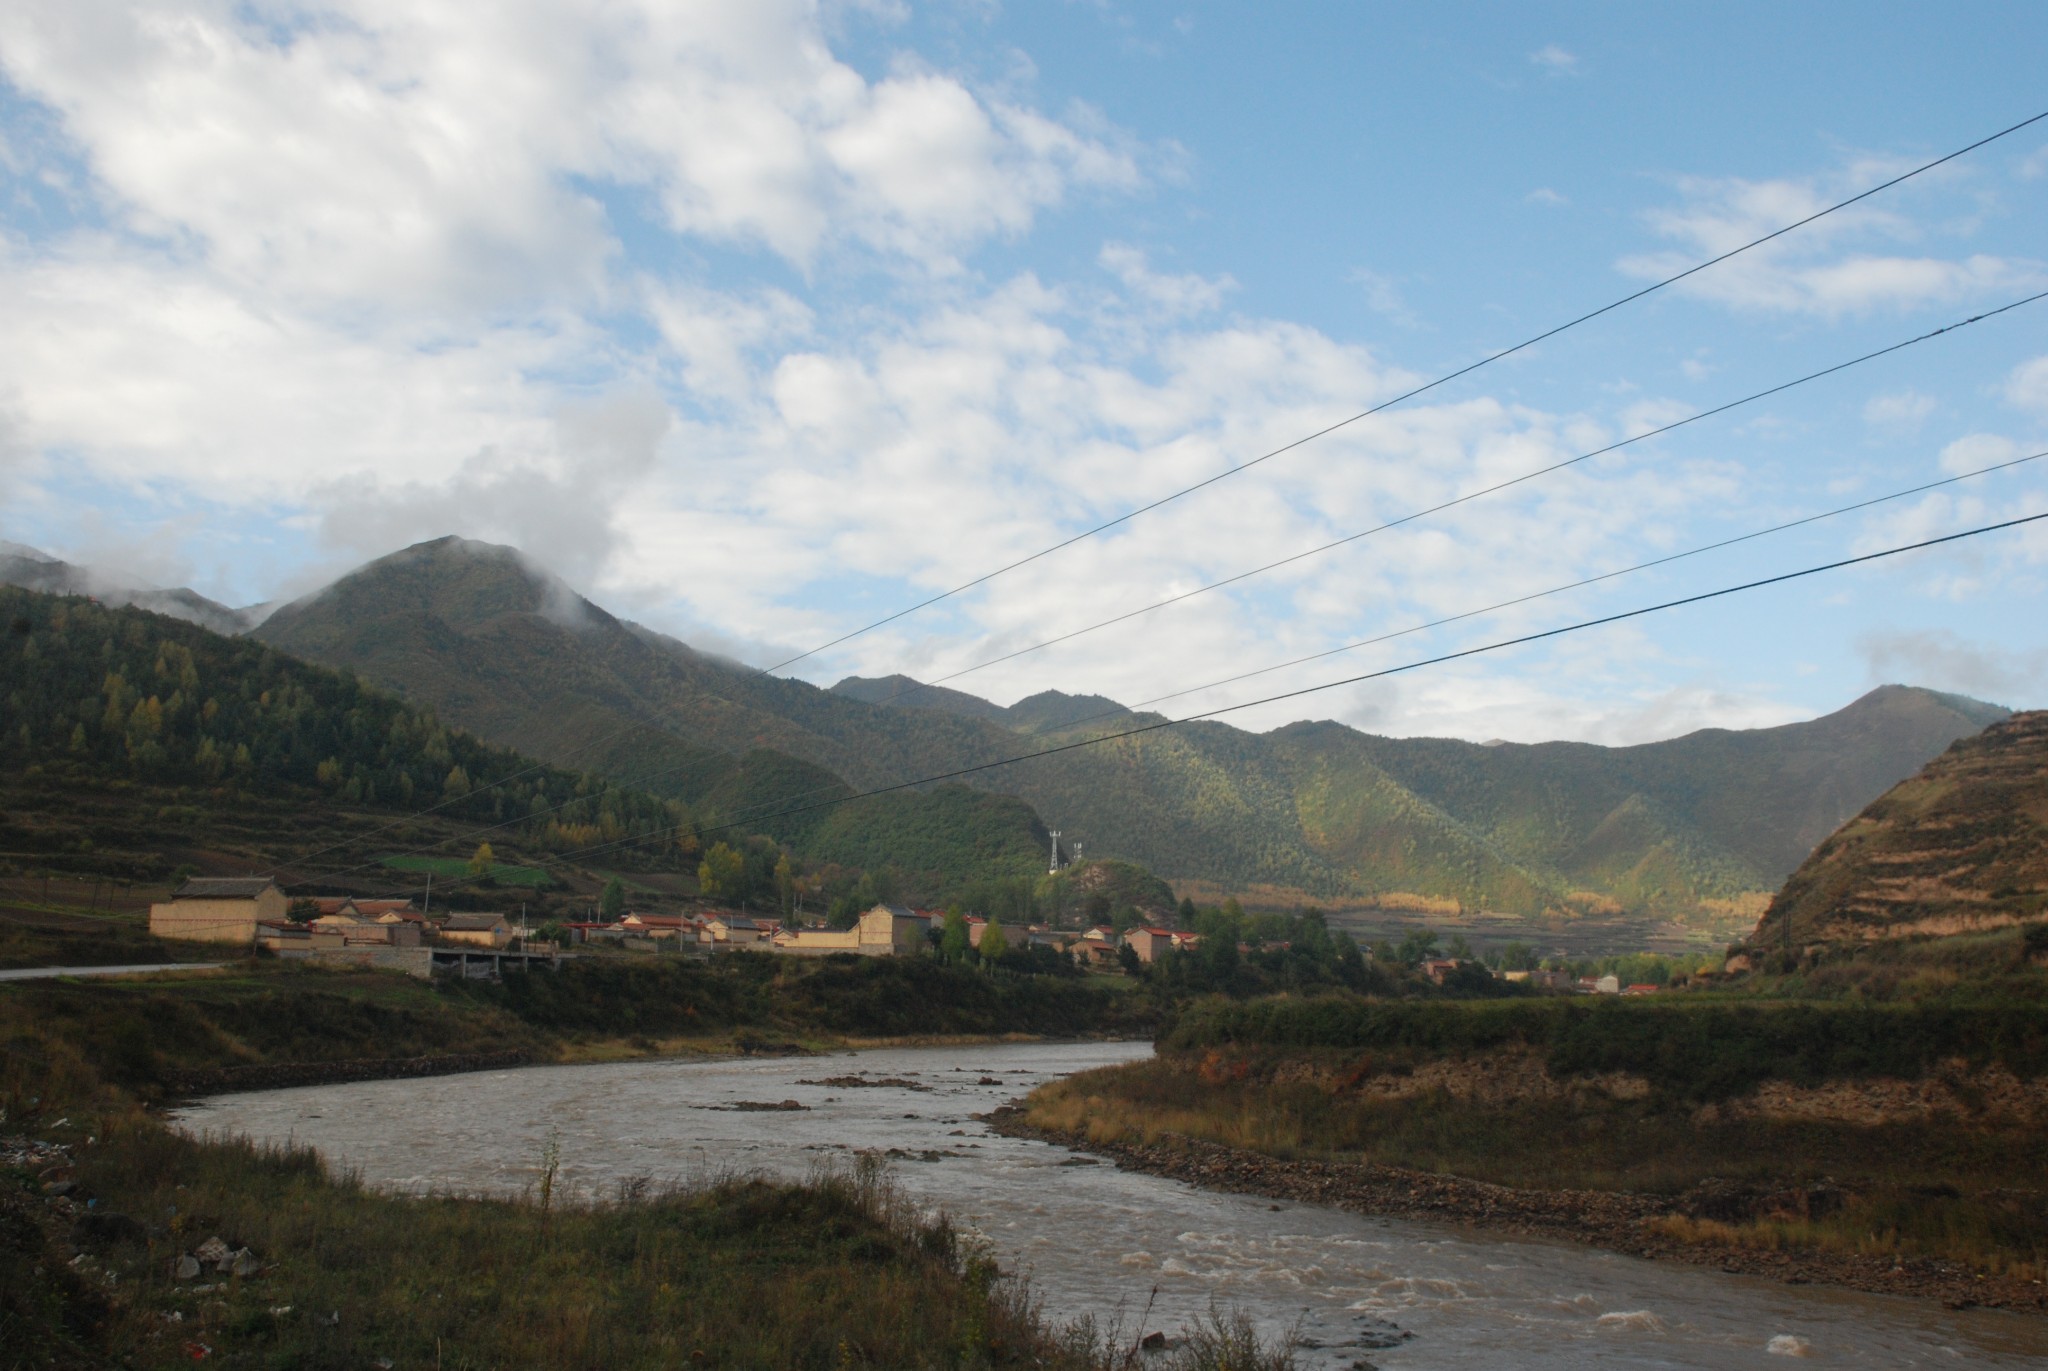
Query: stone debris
[[213, 1251], [187, 1268]]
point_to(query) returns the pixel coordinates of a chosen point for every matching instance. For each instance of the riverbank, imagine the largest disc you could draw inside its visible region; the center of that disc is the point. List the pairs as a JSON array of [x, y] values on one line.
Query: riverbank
[[1635, 1225], [264, 1024]]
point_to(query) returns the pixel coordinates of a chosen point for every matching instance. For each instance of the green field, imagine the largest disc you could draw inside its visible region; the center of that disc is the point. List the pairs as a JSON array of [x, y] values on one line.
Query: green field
[[457, 869]]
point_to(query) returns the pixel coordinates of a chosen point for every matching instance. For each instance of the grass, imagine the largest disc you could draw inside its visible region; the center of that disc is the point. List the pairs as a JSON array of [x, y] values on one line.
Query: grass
[[1971, 1192], [1694, 1047], [504, 873], [837, 1272]]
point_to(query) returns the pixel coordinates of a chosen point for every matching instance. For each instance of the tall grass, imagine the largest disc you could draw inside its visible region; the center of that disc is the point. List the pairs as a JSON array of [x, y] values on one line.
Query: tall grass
[[1974, 1192], [841, 1271]]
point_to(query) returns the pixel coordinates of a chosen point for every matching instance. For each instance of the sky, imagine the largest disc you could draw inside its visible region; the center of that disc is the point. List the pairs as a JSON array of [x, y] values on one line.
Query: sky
[[759, 321]]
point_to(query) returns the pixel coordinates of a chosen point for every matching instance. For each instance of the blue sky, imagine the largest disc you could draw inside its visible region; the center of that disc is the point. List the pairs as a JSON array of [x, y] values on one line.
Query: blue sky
[[760, 320]]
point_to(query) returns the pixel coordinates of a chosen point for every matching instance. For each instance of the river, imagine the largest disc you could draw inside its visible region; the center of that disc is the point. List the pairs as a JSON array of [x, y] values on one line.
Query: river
[[1096, 1240]]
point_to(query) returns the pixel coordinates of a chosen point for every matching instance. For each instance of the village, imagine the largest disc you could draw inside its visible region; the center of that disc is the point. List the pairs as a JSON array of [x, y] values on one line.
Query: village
[[257, 915]]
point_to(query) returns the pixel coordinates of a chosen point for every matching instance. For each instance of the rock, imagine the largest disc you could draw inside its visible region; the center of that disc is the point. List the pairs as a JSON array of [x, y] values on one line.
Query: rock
[[188, 1268], [243, 1264], [1153, 1342], [213, 1251], [59, 1189]]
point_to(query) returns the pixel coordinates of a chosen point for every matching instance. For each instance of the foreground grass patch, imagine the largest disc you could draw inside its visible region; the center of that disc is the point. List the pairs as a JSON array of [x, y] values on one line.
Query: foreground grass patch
[[839, 1272]]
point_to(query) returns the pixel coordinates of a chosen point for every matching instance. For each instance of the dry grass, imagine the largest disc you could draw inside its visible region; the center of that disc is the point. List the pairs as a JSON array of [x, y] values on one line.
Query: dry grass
[[1973, 1193], [839, 1272]]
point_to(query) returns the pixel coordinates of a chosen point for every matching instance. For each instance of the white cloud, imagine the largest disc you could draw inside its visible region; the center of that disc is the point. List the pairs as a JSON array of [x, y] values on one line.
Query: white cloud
[[2027, 387], [1544, 195], [1183, 294], [1555, 60], [1900, 411], [438, 154], [1820, 269], [1977, 451]]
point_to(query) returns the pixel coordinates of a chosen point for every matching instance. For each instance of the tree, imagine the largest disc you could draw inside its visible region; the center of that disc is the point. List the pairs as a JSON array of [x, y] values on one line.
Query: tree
[[1417, 946], [1127, 958], [993, 943], [480, 861], [611, 905], [1188, 913], [953, 944], [721, 874], [785, 885]]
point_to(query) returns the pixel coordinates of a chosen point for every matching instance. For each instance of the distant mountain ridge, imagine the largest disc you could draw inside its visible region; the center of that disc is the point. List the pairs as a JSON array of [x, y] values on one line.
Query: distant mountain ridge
[[509, 651], [34, 570]]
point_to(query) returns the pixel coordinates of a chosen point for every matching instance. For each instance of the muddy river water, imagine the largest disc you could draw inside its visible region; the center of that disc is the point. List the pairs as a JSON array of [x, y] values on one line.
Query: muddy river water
[[1096, 1240]]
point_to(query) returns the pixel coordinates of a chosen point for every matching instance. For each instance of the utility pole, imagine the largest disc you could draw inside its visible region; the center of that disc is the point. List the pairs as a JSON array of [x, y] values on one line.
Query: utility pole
[[1054, 869], [430, 891]]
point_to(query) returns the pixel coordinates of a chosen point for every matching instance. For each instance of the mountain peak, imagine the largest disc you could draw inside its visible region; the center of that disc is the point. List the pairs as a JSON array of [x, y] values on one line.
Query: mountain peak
[[463, 582]]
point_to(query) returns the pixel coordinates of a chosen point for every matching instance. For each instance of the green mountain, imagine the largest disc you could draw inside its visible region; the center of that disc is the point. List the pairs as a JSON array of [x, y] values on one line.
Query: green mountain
[[1958, 848], [243, 740], [1315, 809]]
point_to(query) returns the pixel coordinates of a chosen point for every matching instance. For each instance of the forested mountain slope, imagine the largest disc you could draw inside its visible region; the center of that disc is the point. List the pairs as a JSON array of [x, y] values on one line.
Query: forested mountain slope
[[1960, 847], [1319, 808], [96, 694]]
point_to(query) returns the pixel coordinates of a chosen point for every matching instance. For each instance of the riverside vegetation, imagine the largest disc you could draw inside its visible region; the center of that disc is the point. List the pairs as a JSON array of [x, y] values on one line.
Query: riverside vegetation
[[837, 1272], [1888, 1144]]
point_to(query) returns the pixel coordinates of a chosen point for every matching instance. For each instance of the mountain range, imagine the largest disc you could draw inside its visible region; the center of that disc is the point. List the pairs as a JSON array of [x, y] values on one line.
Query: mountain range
[[1314, 810]]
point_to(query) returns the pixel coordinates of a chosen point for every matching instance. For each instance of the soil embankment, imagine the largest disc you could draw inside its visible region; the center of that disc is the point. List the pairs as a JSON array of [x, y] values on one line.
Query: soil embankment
[[1633, 1224]]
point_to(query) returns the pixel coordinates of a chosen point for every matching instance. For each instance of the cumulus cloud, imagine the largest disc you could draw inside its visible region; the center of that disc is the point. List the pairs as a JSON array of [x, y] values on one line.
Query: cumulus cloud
[[2027, 387], [1186, 293], [560, 503], [1838, 266], [434, 153], [1555, 60], [1900, 411]]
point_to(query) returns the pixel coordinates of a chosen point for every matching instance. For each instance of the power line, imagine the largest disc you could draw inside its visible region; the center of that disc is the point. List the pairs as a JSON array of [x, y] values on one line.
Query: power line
[[1458, 500], [1484, 361], [1569, 586], [754, 813], [1403, 396], [1438, 660]]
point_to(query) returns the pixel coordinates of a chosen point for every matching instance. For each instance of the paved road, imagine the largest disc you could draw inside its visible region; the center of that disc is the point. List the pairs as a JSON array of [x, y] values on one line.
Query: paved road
[[39, 973]]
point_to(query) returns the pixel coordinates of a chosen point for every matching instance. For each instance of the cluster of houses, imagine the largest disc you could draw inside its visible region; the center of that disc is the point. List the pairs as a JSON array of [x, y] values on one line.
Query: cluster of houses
[[255, 912], [887, 930]]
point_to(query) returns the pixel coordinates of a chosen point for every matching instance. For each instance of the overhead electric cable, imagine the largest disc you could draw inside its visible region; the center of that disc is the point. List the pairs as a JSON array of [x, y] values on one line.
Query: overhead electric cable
[[753, 813], [1448, 377], [1125, 518], [1466, 498], [1157, 726], [1569, 586]]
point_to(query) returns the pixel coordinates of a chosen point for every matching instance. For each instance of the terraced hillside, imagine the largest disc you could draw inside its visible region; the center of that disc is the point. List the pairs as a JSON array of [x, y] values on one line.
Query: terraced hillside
[[1961, 847]]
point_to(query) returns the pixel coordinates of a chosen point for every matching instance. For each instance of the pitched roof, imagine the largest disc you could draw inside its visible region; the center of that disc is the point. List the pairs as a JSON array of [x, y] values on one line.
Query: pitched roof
[[223, 888], [472, 923]]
